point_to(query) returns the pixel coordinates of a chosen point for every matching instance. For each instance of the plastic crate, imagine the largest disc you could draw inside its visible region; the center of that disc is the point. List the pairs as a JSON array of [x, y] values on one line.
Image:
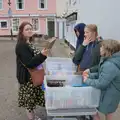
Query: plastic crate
[[56, 65], [70, 97], [65, 118], [72, 112]]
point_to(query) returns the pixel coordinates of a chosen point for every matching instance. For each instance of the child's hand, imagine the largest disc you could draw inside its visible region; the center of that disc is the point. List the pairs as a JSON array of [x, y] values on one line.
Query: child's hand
[[85, 75], [85, 78]]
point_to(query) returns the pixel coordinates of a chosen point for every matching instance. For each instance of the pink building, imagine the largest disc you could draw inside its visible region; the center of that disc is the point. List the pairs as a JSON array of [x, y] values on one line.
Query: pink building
[[41, 13]]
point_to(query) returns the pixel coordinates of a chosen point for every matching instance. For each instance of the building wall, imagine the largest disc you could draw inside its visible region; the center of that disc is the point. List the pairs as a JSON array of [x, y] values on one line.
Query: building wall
[[60, 7], [60, 10], [72, 6], [31, 10], [97, 12], [30, 7], [42, 26], [104, 14], [60, 33]]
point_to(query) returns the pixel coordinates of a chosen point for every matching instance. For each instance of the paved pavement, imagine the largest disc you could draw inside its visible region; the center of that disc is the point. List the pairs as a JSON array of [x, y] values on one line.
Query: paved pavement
[[8, 81], [9, 86]]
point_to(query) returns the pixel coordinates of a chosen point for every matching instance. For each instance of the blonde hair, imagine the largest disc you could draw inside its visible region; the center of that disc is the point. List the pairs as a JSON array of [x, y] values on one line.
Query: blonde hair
[[92, 28], [110, 46]]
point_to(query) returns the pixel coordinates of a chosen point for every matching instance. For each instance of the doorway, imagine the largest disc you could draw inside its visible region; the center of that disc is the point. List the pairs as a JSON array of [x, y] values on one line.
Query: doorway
[[51, 27]]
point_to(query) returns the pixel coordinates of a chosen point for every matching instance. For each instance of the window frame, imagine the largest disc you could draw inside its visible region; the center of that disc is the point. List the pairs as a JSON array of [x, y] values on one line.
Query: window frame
[[2, 5], [13, 26], [22, 3], [4, 21], [38, 24], [46, 5]]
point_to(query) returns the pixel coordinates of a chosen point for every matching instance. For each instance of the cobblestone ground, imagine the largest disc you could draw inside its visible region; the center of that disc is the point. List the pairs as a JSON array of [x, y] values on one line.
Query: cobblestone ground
[[9, 86]]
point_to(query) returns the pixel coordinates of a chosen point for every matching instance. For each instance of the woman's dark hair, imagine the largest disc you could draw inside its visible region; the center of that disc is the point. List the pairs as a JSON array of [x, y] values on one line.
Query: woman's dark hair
[[21, 37]]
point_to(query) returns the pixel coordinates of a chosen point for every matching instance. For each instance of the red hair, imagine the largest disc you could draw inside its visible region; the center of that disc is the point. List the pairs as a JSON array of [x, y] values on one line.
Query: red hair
[[21, 37]]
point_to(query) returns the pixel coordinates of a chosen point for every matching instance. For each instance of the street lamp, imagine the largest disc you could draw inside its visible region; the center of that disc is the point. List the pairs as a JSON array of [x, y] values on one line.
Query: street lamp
[[10, 16]]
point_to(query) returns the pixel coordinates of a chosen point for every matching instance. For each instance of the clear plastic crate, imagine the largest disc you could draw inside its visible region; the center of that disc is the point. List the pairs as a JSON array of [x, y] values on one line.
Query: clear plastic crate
[[65, 118], [56, 65], [72, 112], [74, 80], [70, 97]]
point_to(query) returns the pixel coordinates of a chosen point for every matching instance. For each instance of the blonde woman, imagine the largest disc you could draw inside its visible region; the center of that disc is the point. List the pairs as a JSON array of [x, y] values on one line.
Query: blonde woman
[[107, 78], [88, 54]]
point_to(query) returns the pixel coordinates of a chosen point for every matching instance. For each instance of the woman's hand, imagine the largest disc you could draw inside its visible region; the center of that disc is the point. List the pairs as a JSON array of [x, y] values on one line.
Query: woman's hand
[[86, 41], [86, 71], [45, 52]]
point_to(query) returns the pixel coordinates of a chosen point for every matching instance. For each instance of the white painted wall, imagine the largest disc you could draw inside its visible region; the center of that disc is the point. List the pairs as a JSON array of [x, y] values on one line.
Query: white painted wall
[[60, 7], [60, 31], [104, 13], [70, 34]]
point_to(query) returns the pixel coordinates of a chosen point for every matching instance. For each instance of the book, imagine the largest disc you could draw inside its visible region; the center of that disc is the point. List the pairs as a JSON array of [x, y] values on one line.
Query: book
[[50, 43]]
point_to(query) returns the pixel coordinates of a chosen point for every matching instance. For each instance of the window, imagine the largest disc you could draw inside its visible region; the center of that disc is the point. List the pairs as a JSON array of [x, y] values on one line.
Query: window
[[20, 4], [3, 24], [1, 4], [35, 23], [15, 24], [43, 4]]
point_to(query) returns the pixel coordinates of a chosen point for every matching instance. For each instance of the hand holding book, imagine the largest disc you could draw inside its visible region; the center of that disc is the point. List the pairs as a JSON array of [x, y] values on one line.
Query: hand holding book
[[45, 51]]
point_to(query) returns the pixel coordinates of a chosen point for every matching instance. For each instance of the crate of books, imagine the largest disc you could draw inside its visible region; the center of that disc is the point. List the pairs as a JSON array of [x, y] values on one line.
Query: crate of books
[[69, 92], [57, 65]]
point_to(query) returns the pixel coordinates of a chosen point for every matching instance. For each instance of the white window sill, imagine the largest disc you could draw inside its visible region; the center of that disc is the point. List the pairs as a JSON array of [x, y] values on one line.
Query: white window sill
[[20, 9], [42, 9], [36, 31], [15, 31], [4, 28]]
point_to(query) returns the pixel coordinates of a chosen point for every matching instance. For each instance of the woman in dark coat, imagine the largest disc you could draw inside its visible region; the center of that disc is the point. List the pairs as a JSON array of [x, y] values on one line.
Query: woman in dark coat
[[27, 54]]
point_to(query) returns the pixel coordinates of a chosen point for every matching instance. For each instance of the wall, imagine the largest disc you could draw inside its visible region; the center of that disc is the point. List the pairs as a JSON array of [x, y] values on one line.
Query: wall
[[69, 30], [60, 33], [42, 26], [30, 7], [60, 7], [104, 13]]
